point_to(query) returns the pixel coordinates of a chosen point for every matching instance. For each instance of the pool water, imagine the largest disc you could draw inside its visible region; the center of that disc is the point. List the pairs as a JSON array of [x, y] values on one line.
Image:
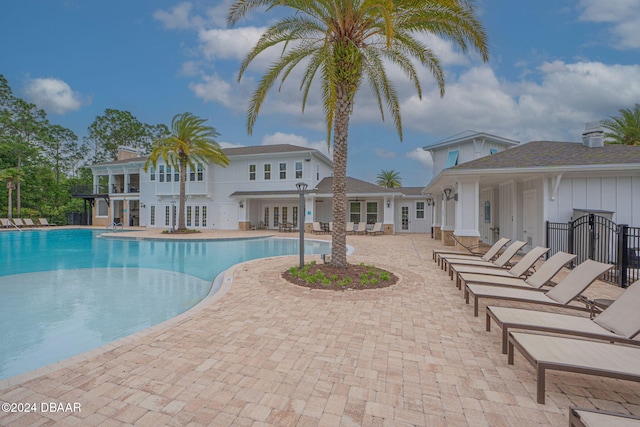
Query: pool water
[[63, 292]]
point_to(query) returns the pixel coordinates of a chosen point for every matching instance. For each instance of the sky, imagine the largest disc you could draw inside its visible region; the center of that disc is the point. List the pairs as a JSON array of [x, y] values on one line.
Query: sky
[[553, 66]]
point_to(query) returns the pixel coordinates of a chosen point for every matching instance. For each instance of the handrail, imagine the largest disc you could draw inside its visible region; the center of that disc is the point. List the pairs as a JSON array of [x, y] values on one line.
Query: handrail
[[15, 226], [114, 225]]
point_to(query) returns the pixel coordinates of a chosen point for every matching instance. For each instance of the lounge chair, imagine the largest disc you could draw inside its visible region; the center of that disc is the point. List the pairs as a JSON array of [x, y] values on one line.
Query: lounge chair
[[547, 352], [362, 228], [28, 222], [488, 256], [317, 228], [44, 222], [5, 222], [330, 226], [580, 417], [466, 249], [500, 262], [18, 222], [350, 228], [619, 322], [377, 229], [520, 270], [566, 290]]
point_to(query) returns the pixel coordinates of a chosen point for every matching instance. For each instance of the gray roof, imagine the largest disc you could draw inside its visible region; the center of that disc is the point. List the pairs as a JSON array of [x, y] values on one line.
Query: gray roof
[[125, 161], [265, 149], [469, 135], [353, 186], [554, 154]]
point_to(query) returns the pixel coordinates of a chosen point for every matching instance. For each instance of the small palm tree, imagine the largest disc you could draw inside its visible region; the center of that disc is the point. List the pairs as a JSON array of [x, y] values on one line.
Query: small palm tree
[[389, 179], [345, 42], [625, 128], [12, 176], [190, 144]]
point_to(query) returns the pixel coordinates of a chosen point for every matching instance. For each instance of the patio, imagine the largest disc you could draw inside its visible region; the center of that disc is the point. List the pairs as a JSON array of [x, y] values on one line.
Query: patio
[[266, 352]]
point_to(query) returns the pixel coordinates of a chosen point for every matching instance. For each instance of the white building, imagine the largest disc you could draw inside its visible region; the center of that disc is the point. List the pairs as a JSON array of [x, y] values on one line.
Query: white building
[[258, 187]]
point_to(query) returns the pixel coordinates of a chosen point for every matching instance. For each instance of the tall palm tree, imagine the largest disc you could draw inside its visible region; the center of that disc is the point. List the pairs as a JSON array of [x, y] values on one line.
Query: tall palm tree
[[389, 179], [346, 42], [189, 145], [625, 128], [12, 176]]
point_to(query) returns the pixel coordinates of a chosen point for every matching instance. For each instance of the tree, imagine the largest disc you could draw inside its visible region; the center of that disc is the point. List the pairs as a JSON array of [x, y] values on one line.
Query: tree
[[190, 144], [625, 128], [389, 179], [11, 176], [346, 41]]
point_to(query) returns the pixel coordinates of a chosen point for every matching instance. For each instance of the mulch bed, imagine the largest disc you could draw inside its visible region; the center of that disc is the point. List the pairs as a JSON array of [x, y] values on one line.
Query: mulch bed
[[352, 271]]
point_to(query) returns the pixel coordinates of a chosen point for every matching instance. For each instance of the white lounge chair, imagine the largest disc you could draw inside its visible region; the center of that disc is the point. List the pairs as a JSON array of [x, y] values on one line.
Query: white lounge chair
[[28, 222], [317, 228], [362, 228], [350, 228], [44, 222], [488, 256], [581, 417], [377, 229], [5, 222], [619, 322], [500, 262], [521, 269], [330, 226], [18, 222], [546, 352], [566, 290]]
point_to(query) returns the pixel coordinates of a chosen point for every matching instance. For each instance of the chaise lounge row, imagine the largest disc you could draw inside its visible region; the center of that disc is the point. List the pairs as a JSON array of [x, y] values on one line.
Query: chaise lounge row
[[606, 344], [24, 222]]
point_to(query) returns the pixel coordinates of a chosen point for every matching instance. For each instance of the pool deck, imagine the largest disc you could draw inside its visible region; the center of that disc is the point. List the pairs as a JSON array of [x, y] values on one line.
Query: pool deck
[[264, 352]]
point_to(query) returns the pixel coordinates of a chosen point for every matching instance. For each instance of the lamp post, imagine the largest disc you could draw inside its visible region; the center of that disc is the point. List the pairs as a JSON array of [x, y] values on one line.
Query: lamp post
[[302, 187]]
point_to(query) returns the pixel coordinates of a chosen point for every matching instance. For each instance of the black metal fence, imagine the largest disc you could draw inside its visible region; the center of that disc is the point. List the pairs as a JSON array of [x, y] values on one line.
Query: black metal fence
[[600, 239]]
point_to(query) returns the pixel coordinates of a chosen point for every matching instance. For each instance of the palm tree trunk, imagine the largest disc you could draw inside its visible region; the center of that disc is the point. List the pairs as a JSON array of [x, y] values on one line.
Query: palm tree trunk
[[183, 195], [340, 138]]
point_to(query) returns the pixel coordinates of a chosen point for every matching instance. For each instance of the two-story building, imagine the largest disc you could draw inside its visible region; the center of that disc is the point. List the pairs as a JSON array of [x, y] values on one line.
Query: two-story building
[[256, 189]]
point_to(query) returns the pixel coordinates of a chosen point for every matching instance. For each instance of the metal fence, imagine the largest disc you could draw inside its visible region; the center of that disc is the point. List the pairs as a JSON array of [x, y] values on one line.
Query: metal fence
[[600, 239]]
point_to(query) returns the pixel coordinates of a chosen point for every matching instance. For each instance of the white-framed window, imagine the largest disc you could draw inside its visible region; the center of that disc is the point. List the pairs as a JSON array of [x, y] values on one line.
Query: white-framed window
[[102, 208], [266, 215], [188, 216], [204, 216], [252, 172], [298, 170], [267, 172], [168, 174], [196, 219], [152, 215], [176, 175], [283, 171], [372, 212], [354, 212], [419, 210], [161, 173], [152, 173], [167, 216], [317, 172], [276, 216], [200, 173], [294, 213], [192, 175]]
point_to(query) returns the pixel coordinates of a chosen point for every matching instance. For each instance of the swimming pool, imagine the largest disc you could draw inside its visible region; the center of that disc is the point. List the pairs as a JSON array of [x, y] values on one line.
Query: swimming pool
[[63, 292]]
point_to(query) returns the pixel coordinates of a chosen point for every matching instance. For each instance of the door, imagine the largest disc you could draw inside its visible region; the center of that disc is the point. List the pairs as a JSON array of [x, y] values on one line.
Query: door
[[229, 216], [530, 218], [405, 219]]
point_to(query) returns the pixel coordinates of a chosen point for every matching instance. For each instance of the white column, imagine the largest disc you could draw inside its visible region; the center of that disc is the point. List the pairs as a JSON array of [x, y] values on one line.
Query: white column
[[389, 212], [467, 209], [448, 214], [309, 205], [437, 210]]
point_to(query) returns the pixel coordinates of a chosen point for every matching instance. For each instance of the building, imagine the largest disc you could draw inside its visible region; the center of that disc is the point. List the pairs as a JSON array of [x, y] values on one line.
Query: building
[[257, 188]]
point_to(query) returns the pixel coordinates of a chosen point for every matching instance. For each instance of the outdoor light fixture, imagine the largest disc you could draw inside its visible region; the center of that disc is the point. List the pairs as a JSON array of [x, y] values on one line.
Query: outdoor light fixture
[[429, 201], [142, 205], [448, 196], [388, 203], [302, 187], [241, 204]]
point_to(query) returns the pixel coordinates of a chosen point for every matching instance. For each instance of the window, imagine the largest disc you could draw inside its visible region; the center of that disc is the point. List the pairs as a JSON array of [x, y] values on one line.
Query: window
[[152, 215], [452, 159], [267, 172], [493, 150], [372, 212], [487, 211], [200, 173], [298, 170], [294, 212], [318, 172], [176, 176], [192, 175], [167, 216], [196, 219], [252, 172], [168, 174], [266, 216], [354, 212], [175, 214], [152, 173], [161, 173], [188, 216], [204, 216], [276, 216], [283, 171], [102, 209], [419, 210], [284, 214]]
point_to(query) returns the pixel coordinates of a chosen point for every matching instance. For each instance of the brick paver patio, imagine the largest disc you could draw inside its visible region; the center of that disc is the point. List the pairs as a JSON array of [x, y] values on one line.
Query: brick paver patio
[[264, 352]]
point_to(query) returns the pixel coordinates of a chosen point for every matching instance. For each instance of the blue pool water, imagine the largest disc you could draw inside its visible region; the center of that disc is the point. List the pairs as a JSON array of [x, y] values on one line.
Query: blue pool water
[[63, 292]]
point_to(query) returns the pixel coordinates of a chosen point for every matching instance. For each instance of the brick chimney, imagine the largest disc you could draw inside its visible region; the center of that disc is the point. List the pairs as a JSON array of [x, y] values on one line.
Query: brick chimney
[[593, 135], [125, 153]]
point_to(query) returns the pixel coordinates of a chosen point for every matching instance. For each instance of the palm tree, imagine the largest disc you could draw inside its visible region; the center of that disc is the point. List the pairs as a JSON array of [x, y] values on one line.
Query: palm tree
[[625, 128], [346, 42], [189, 145], [389, 179], [12, 176]]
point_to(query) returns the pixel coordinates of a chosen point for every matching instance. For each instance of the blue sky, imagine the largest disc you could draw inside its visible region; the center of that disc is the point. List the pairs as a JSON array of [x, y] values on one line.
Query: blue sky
[[554, 65]]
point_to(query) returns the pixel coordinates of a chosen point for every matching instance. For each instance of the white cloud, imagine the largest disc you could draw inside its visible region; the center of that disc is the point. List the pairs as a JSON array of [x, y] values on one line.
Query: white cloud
[[421, 156], [178, 18], [225, 144], [53, 95], [383, 153], [623, 15], [293, 139], [215, 89], [232, 43]]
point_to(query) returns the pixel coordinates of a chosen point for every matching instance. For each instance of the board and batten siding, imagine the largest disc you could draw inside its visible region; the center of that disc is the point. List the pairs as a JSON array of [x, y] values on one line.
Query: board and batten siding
[[620, 195]]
